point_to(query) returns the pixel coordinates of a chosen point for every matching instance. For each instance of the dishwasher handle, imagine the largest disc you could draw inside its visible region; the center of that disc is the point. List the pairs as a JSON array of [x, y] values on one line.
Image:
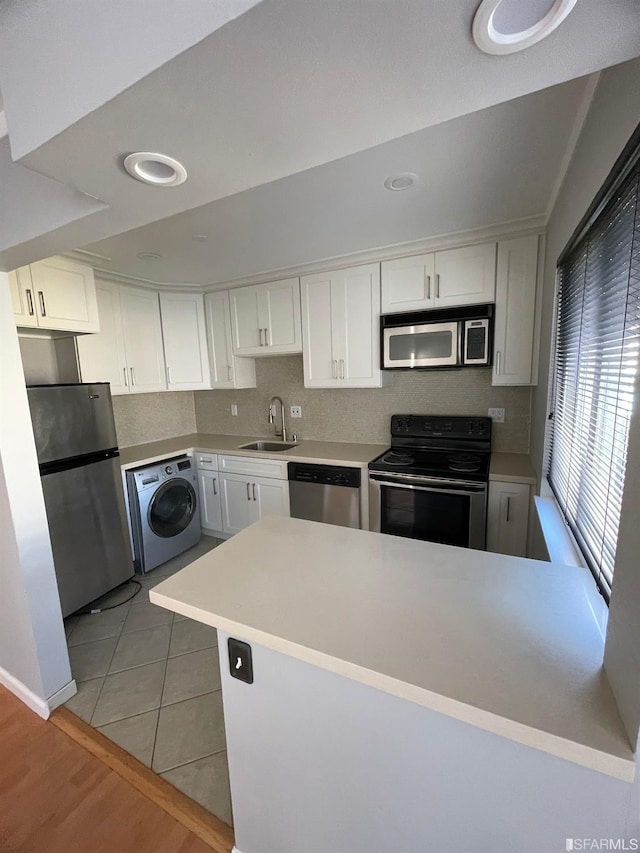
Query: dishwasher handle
[[325, 475]]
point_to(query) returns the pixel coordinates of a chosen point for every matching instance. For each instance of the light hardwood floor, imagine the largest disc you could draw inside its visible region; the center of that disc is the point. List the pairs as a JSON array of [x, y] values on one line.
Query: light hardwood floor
[[57, 796]]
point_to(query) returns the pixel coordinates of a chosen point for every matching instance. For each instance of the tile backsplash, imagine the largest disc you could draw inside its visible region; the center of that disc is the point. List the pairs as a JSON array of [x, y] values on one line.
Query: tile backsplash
[[151, 417], [362, 415]]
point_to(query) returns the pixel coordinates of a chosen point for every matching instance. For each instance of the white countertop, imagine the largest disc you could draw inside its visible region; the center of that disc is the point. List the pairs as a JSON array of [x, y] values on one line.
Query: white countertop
[[502, 643], [321, 452]]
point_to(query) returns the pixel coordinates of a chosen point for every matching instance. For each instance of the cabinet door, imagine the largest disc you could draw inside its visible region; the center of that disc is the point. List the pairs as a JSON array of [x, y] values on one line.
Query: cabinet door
[[185, 341], [210, 501], [466, 276], [65, 295], [142, 339], [237, 502], [227, 371], [102, 355], [22, 297], [408, 284], [246, 322], [320, 364], [508, 518], [515, 311], [279, 316], [269, 497], [358, 346]]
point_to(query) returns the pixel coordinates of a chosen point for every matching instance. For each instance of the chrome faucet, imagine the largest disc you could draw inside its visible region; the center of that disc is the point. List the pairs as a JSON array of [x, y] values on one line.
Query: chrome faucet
[[282, 432]]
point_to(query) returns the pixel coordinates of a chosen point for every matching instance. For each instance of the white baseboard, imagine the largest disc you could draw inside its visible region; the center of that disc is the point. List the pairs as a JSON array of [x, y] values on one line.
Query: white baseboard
[[63, 695], [23, 693]]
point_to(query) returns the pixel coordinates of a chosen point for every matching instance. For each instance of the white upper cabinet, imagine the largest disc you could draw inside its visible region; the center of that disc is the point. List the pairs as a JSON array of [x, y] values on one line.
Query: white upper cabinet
[[56, 294], [341, 318], [265, 318], [227, 371], [185, 341], [515, 319], [464, 276], [128, 351], [21, 287]]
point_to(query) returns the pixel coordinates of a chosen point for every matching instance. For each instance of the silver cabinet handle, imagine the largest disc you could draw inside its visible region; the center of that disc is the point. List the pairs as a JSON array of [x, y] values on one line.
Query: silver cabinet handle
[[266, 338], [215, 490], [209, 461], [342, 368], [254, 491], [437, 285], [428, 287], [248, 492], [334, 369], [43, 307], [133, 376], [260, 333], [508, 507], [498, 363], [229, 373], [169, 375], [126, 384], [30, 302]]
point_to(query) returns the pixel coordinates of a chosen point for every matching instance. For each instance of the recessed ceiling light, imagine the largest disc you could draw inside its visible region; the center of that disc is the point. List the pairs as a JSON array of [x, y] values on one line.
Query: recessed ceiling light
[[403, 181], [506, 26], [159, 170], [149, 256]]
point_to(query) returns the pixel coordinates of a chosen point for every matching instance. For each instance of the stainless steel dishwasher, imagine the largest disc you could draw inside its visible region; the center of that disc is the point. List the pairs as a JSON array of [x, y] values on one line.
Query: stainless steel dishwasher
[[329, 493]]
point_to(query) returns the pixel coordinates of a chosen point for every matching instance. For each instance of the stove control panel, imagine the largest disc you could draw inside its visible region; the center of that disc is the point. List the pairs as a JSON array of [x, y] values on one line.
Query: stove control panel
[[436, 426]]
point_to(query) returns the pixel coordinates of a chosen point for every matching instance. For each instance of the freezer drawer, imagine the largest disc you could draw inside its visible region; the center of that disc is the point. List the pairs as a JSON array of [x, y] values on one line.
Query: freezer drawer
[[87, 525]]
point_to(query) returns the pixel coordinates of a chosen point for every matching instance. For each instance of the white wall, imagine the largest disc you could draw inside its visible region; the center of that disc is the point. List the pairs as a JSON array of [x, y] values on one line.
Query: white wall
[[320, 764], [34, 662], [612, 118]]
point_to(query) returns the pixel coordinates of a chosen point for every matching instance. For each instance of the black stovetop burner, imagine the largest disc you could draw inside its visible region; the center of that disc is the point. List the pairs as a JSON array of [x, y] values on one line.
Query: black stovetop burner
[[453, 448]]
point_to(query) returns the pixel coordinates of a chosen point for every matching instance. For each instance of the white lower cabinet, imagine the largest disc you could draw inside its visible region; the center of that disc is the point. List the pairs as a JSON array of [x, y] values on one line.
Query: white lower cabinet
[[210, 500], [247, 495], [508, 518], [515, 354]]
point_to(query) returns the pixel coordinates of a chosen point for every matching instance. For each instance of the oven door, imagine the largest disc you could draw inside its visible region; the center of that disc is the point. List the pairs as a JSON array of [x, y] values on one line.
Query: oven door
[[446, 511], [425, 345]]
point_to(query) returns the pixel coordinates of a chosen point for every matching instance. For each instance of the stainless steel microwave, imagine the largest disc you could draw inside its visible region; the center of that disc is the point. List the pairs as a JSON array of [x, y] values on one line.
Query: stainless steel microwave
[[437, 339]]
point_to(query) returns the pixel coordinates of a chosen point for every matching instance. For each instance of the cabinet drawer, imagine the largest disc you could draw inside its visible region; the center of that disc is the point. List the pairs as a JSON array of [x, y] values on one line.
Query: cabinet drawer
[[206, 461], [253, 467]]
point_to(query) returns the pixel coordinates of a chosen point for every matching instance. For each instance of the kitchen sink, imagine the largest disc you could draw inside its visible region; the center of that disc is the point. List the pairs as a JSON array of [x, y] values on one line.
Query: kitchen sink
[[268, 446]]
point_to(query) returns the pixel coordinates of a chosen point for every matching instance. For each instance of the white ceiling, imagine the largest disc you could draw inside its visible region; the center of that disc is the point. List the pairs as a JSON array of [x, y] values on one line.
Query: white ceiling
[[290, 86], [495, 165]]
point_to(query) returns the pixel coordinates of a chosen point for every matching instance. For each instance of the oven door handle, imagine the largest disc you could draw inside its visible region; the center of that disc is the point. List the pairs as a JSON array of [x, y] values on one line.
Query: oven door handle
[[443, 486]]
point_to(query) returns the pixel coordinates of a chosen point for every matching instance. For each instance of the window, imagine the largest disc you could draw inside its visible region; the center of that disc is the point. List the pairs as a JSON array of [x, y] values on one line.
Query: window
[[596, 363]]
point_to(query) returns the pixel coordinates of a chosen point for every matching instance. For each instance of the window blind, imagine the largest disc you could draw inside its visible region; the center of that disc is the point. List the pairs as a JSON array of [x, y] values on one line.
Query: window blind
[[596, 364]]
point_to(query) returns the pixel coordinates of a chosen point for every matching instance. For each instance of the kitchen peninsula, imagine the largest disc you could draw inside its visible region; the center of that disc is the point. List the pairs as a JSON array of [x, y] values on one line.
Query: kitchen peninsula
[[407, 695]]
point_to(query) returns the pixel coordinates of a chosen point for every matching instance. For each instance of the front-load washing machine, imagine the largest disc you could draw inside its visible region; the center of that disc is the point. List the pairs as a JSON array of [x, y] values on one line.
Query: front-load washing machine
[[165, 514]]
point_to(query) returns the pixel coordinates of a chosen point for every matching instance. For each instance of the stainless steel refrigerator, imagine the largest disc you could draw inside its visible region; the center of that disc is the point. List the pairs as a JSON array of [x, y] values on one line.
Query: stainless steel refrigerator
[[80, 471]]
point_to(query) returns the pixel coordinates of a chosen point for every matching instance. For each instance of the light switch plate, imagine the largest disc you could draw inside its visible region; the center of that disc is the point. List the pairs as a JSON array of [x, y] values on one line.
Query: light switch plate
[[296, 411], [496, 415]]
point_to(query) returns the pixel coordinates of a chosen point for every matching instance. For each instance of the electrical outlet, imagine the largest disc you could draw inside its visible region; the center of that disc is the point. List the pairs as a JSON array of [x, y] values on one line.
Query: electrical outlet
[[296, 411], [496, 415], [234, 409]]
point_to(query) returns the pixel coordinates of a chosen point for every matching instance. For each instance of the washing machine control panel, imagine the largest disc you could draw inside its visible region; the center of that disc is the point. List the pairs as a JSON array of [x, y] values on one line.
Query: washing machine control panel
[[168, 470], [154, 474]]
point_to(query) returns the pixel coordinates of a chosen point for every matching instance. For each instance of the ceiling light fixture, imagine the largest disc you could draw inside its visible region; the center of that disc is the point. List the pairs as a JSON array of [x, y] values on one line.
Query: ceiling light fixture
[[159, 170], [149, 256], [506, 26], [403, 181]]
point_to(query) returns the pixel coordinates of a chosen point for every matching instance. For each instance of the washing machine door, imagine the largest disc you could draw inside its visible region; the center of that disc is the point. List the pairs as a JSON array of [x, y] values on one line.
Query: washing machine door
[[172, 508]]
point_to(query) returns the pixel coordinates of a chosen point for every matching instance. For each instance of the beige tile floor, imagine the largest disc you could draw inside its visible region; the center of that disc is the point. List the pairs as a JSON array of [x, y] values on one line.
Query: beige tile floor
[[150, 681]]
